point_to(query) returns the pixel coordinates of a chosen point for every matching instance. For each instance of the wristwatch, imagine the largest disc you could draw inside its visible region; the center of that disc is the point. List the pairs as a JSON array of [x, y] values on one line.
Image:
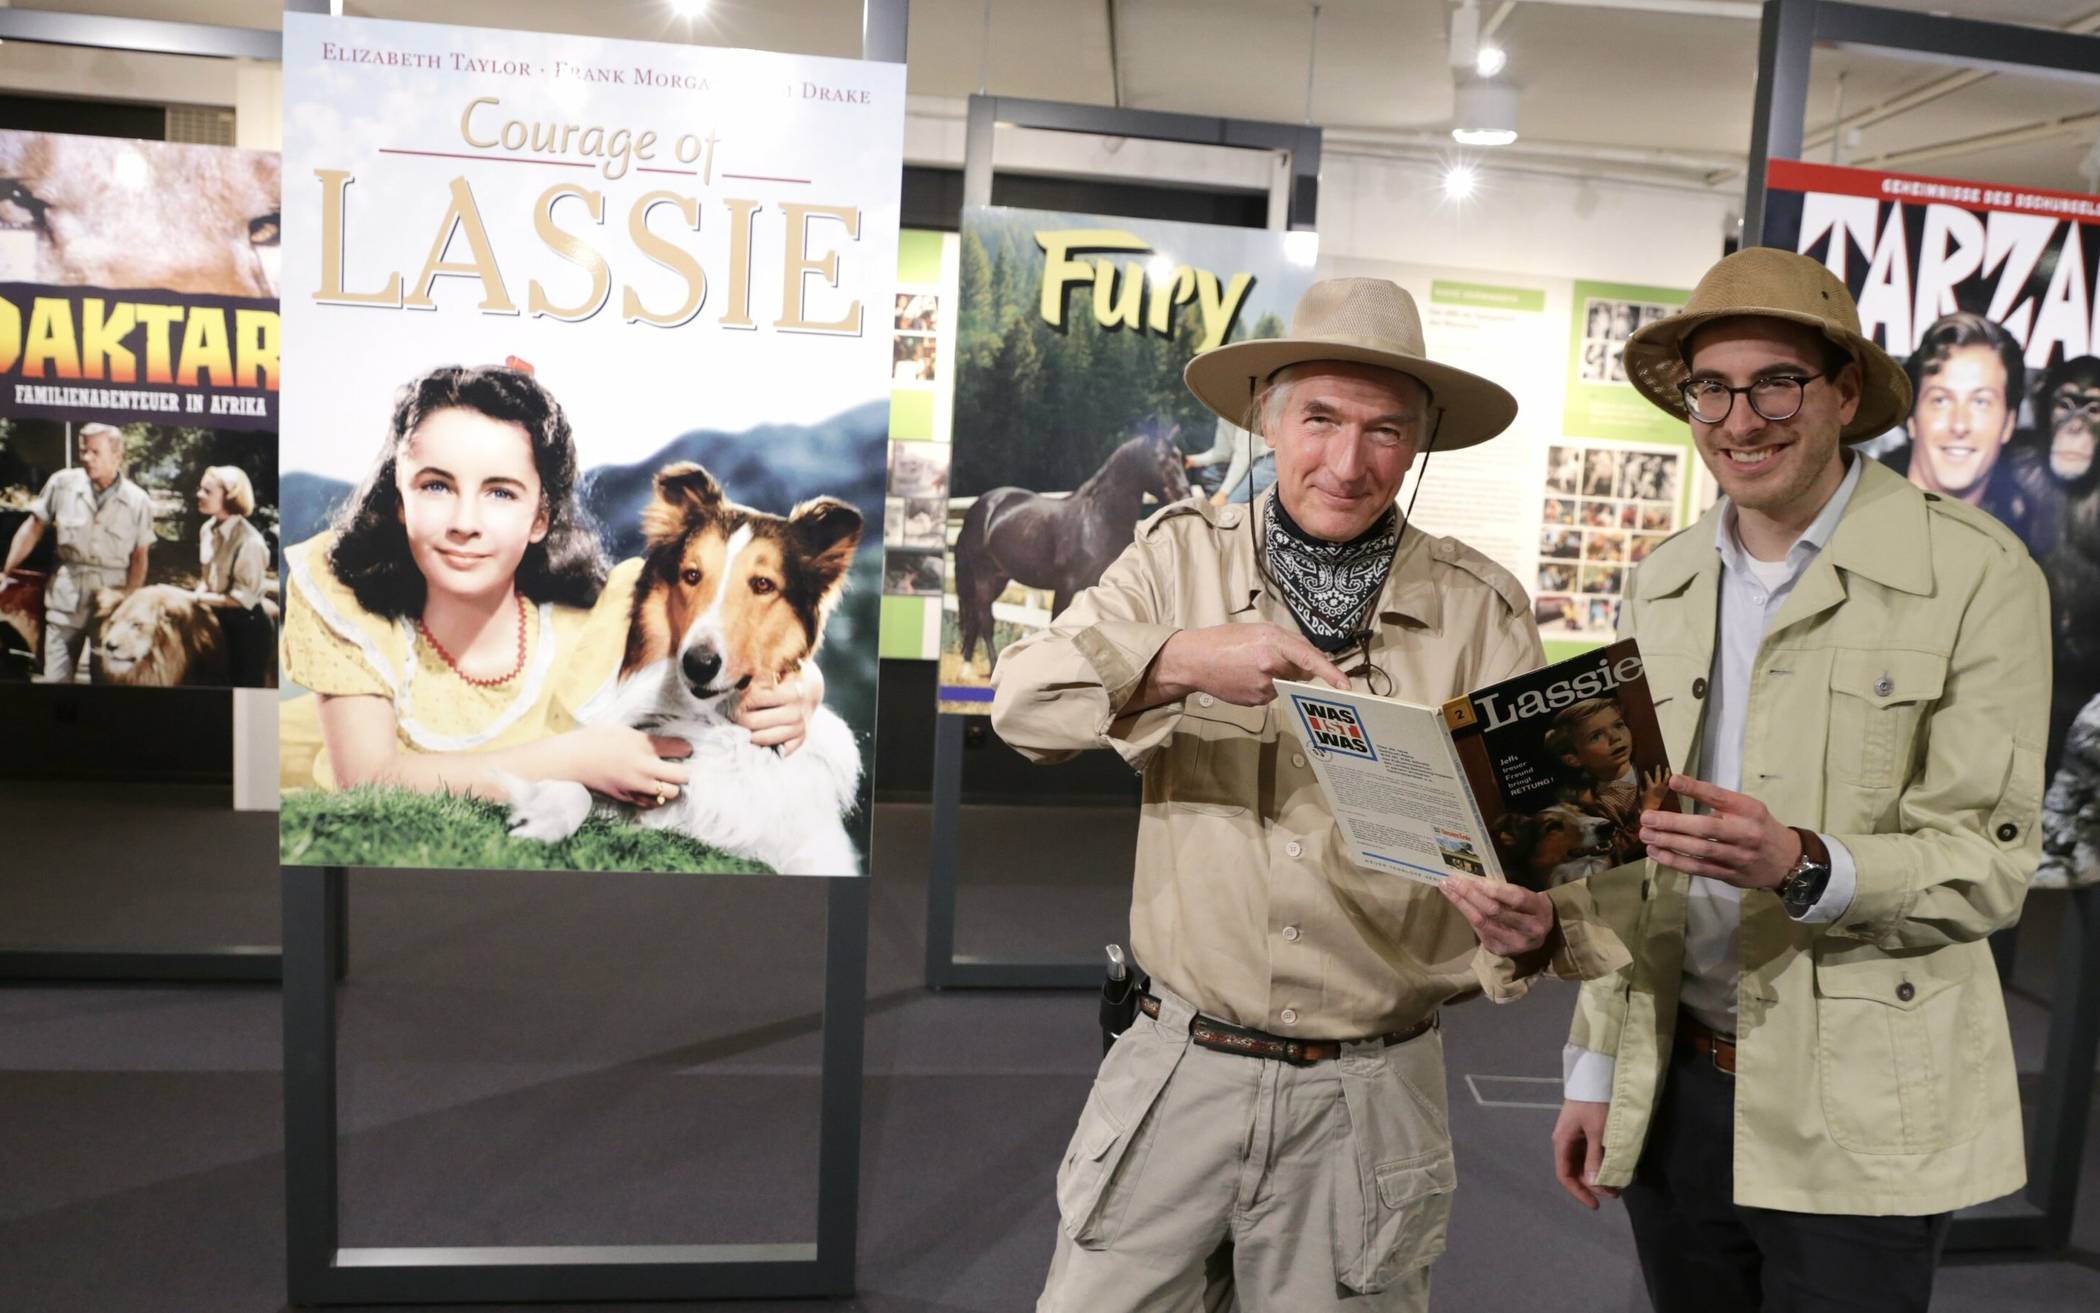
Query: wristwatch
[[1803, 886]]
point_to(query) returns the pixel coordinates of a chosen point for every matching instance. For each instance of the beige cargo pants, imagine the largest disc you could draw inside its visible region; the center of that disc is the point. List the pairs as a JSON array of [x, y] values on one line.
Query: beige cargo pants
[[1330, 1183]]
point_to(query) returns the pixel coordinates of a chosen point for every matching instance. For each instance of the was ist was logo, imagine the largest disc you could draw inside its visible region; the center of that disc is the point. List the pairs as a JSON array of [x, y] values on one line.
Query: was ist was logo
[[1333, 728]]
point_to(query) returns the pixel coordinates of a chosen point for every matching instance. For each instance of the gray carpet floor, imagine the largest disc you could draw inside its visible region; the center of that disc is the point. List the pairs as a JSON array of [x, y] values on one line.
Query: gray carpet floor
[[551, 1059]]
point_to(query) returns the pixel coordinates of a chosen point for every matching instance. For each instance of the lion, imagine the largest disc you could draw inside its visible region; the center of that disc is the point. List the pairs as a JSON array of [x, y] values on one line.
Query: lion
[[159, 637]]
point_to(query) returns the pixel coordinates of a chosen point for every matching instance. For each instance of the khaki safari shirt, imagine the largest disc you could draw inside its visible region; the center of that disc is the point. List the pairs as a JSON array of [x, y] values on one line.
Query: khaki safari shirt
[[1245, 900], [96, 537], [1899, 703]]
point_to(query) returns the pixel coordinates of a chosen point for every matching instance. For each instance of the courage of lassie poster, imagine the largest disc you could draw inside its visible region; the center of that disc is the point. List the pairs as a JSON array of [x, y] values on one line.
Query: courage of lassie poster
[[586, 369]]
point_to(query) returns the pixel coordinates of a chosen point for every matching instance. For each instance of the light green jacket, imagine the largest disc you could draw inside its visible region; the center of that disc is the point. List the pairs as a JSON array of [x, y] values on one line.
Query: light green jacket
[[1899, 702]]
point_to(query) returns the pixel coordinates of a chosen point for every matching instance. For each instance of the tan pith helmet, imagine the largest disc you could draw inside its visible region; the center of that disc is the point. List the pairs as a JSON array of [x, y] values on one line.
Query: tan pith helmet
[[1768, 283], [1363, 321]]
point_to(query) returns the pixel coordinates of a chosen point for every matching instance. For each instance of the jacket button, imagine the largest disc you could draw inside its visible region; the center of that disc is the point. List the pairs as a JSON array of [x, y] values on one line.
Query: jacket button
[[2008, 832], [1906, 991], [1699, 687]]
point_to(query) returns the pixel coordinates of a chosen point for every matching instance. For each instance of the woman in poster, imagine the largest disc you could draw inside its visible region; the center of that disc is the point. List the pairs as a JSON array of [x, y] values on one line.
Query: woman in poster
[[459, 620], [236, 559]]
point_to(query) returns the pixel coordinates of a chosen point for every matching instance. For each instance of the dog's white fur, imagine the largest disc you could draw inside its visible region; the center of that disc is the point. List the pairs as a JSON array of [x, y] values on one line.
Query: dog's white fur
[[751, 802]]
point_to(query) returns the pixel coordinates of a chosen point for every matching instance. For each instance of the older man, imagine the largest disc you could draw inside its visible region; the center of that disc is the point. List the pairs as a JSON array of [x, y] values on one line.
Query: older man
[[1806, 1068], [1273, 1126], [105, 529]]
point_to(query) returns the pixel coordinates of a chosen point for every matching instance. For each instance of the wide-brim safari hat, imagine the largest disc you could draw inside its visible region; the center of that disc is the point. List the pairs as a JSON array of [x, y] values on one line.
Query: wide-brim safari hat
[[1769, 283], [1362, 321]]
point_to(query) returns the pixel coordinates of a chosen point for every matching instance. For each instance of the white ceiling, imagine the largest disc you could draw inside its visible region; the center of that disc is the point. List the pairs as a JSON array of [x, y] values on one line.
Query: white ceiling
[[1609, 87]]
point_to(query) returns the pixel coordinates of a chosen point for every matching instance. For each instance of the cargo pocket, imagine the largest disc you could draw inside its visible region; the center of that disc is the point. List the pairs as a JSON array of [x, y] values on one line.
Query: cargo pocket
[[1394, 1173], [1878, 700], [1107, 1151], [1215, 761], [1899, 1048]]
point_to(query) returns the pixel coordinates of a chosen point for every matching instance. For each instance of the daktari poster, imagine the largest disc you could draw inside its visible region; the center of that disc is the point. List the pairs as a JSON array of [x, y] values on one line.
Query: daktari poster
[[138, 408], [1987, 294], [589, 349], [1071, 419]]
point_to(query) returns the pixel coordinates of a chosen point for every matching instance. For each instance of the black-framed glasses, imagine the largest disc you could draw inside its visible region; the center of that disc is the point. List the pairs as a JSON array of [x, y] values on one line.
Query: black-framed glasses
[[1775, 397]]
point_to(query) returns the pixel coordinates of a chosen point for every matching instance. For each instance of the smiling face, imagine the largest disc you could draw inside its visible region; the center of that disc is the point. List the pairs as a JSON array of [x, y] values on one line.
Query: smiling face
[[1344, 436], [470, 501], [1775, 467], [1960, 423]]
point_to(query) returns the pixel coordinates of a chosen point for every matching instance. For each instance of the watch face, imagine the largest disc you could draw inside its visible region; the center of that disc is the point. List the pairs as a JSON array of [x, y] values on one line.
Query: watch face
[[1805, 888]]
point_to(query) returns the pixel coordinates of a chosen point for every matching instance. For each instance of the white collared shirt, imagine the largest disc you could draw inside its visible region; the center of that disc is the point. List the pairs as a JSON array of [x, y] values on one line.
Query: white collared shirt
[[1751, 595]]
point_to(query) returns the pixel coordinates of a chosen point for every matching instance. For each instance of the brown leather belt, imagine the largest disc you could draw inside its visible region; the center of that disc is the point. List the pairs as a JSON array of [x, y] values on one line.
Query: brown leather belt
[[1708, 1043], [1210, 1033]]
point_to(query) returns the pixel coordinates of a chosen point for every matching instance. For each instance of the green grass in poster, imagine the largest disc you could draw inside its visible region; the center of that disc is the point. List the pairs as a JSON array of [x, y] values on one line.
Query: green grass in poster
[[399, 827]]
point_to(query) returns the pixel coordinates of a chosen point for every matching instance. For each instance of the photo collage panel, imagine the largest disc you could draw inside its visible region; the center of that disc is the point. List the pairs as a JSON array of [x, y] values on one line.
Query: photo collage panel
[[1606, 508], [915, 355], [1606, 325], [915, 520]]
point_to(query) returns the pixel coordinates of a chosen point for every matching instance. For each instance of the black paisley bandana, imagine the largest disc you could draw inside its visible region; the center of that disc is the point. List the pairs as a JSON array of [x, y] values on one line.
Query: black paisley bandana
[[1330, 587]]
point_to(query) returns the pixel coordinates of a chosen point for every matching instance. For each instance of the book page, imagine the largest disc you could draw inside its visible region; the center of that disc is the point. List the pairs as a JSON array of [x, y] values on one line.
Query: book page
[[1388, 771]]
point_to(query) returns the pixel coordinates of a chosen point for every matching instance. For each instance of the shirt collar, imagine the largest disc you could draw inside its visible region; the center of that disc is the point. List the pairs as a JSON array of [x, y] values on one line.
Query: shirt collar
[[1812, 539]]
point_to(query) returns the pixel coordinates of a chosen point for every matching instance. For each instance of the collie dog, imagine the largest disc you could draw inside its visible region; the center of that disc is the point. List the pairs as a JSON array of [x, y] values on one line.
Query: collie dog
[[1556, 845], [728, 596]]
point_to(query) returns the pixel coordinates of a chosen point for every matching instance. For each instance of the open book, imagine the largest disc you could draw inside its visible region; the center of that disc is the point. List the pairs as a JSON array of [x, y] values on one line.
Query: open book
[[1540, 779]]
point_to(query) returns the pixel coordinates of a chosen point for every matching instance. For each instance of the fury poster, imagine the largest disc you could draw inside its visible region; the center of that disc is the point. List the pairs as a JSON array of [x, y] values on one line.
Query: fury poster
[[1072, 423], [138, 412], [1987, 294], [588, 349]]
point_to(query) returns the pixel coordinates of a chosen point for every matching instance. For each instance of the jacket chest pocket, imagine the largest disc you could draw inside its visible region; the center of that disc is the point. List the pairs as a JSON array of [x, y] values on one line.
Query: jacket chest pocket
[[1900, 1050], [1215, 763], [1877, 700]]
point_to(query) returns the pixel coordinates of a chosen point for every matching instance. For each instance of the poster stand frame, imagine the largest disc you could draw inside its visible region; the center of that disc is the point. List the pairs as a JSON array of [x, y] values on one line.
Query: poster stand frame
[[2039, 1218], [322, 1271], [209, 964], [1300, 144], [315, 956]]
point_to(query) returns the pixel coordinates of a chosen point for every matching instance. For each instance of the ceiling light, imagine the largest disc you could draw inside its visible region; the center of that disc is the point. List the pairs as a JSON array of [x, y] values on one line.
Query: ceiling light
[[689, 8], [1491, 60], [1460, 180], [1486, 113], [1465, 35]]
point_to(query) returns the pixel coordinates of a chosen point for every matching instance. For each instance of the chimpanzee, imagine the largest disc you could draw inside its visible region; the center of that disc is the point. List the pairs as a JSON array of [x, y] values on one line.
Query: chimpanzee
[[2059, 484]]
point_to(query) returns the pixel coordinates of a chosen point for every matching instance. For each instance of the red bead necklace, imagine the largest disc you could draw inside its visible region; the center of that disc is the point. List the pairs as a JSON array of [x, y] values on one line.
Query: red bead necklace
[[439, 648]]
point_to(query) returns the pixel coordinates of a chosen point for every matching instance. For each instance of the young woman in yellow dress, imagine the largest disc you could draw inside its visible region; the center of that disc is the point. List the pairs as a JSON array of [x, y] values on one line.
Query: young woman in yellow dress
[[459, 622]]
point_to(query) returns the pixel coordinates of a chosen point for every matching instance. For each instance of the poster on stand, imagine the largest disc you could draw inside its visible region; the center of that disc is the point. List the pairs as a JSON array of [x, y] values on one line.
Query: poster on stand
[[1071, 420], [1987, 294], [590, 354], [138, 412]]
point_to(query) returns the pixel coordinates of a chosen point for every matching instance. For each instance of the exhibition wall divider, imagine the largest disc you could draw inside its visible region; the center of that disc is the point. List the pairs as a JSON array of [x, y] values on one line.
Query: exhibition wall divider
[[2041, 1217], [1300, 143], [205, 964]]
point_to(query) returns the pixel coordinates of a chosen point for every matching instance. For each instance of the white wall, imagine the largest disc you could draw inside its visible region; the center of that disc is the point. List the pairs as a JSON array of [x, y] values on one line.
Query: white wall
[[1521, 223]]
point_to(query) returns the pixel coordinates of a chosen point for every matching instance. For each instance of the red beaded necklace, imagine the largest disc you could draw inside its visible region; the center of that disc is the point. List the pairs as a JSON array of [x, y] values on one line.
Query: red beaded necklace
[[439, 648]]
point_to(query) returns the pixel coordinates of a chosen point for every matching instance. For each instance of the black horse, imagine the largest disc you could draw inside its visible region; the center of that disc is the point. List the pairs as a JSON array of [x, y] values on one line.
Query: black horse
[[1059, 543]]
